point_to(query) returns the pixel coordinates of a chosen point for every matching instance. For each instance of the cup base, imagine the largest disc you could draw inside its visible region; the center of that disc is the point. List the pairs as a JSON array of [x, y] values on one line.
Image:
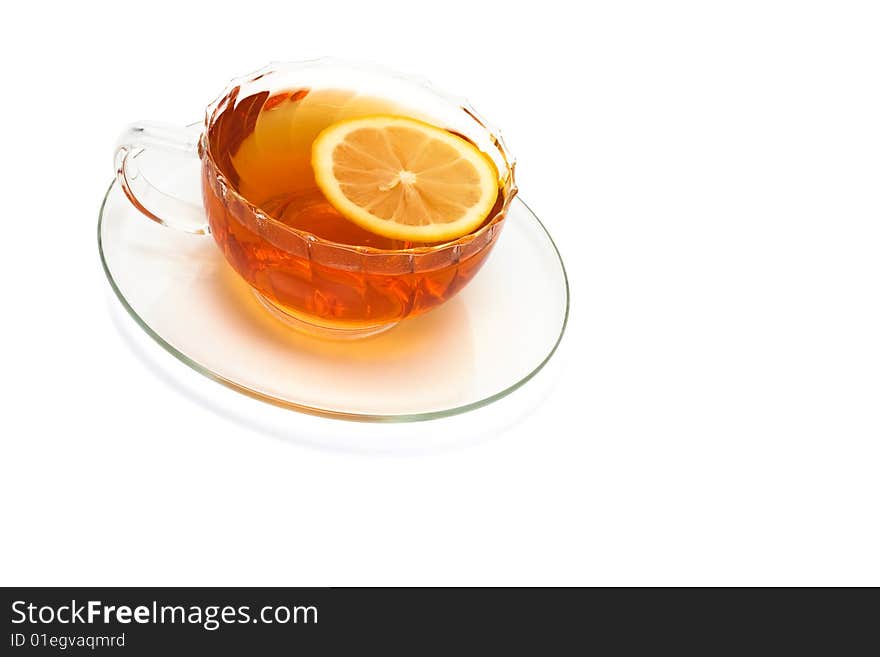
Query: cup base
[[308, 326]]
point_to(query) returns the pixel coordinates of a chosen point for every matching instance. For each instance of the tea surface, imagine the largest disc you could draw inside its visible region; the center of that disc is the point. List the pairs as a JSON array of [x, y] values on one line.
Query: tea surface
[[268, 159]]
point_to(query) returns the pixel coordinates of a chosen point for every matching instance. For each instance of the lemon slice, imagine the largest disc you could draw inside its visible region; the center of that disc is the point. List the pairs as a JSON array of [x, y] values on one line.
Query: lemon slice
[[403, 178]]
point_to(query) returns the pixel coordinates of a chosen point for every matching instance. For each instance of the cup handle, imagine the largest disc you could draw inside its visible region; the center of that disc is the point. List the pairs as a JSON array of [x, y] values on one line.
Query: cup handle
[[160, 206]]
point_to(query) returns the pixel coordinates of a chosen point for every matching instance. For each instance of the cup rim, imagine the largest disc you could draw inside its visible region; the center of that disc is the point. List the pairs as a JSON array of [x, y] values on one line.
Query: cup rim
[[507, 183]]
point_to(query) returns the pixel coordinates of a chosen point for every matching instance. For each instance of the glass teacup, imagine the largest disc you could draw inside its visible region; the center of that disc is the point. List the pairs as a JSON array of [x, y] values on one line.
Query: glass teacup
[[309, 265]]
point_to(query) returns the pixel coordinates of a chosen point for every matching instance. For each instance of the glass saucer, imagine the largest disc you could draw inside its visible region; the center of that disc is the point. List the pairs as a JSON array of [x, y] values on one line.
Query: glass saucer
[[483, 344]]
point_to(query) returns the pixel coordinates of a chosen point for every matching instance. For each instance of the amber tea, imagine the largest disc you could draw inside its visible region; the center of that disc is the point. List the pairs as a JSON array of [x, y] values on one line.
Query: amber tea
[[365, 267]]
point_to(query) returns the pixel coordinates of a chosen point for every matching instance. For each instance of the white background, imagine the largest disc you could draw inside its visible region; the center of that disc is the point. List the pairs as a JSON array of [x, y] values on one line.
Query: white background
[[711, 172]]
